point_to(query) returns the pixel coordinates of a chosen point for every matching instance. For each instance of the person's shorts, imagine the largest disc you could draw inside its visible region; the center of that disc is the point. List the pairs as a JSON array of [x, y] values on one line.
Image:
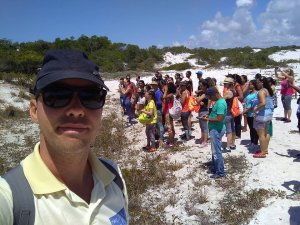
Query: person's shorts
[[258, 124], [286, 101], [203, 124], [229, 123]]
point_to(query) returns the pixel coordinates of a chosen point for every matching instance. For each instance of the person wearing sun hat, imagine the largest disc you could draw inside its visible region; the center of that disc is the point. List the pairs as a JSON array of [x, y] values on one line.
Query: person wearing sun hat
[[62, 176]]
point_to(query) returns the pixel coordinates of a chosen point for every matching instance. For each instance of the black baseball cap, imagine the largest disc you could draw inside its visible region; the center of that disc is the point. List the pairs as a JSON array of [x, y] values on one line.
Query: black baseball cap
[[211, 91], [60, 64]]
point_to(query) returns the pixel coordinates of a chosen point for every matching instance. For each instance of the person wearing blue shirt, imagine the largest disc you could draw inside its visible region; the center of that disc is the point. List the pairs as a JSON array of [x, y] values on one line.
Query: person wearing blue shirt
[[249, 101], [158, 103]]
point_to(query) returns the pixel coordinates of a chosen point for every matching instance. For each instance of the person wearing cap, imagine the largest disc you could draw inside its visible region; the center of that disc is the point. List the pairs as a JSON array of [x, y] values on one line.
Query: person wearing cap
[[216, 126], [199, 75], [158, 102], [68, 183]]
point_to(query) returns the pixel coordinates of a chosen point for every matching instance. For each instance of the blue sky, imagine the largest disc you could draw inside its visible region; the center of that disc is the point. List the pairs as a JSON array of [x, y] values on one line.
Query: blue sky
[[193, 23]]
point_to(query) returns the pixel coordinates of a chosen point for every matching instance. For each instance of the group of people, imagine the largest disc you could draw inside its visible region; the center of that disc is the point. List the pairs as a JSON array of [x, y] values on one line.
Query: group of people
[[218, 111]]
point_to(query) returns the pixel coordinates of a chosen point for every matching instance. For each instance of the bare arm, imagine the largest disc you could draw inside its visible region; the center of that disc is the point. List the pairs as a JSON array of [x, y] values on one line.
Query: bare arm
[[183, 98], [295, 87], [282, 75], [291, 78], [240, 93], [150, 112], [219, 118], [200, 98], [125, 91], [245, 88], [228, 94]]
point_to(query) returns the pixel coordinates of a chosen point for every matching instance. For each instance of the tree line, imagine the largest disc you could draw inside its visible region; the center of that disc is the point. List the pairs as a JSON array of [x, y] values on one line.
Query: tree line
[[26, 57]]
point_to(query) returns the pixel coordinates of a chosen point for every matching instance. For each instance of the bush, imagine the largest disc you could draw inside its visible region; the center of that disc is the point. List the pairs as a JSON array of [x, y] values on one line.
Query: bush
[[12, 112], [178, 66], [111, 139]]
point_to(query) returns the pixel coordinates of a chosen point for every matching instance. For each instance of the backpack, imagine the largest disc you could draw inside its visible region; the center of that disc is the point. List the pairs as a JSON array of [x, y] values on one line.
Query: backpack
[[175, 110], [23, 201], [236, 108], [193, 105]]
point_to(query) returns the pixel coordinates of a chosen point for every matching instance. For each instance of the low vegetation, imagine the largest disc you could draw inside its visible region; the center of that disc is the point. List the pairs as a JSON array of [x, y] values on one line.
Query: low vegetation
[[24, 59], [239, 207], [11, 112], [178, 67]]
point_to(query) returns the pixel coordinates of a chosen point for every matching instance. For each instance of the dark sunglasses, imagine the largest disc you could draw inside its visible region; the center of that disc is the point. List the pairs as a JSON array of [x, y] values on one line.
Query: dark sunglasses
[[91, 97]]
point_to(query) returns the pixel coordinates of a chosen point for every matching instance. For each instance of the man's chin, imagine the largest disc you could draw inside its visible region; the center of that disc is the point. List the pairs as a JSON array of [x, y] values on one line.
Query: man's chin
[[74, 145]]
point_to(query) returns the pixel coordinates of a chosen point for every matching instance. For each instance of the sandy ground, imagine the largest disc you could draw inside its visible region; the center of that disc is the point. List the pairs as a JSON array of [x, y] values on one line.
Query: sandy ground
[[279, 171]]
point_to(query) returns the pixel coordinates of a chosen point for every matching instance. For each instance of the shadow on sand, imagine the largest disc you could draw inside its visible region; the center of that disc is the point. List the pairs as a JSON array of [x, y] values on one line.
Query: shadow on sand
[[294, 212], [291, 153], [295, 185]]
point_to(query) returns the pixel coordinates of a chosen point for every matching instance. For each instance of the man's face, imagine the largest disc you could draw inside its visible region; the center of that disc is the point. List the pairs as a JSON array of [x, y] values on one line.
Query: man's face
[[70, 129], [182, 88], [154, 86], [141, 85], [259, 84]]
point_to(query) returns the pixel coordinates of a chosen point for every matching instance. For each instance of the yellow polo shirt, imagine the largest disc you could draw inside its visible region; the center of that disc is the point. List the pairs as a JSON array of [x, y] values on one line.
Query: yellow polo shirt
[[55, 204]]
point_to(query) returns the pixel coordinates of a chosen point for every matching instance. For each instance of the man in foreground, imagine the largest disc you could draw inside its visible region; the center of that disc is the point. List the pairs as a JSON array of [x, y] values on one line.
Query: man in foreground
[[69, 184], [216, 126]]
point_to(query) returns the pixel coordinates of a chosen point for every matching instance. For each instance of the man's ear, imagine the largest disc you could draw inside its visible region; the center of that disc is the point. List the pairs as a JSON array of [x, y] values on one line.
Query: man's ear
[[33, 110]]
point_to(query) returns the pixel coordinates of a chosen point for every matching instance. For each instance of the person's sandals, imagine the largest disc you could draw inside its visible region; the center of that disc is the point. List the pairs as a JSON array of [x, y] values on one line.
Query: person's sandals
[[259, 155], [146, 148], [168, 145], [267, 152], [203, 145], [287, 121], [232, 147], [225, 150], [152, 150]]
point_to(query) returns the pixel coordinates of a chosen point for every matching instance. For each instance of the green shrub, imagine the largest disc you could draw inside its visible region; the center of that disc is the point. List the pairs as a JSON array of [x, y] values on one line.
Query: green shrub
[[12, 112], [179, 66]]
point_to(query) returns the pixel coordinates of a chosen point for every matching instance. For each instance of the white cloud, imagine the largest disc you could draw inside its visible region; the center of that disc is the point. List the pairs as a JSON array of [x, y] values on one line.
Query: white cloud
[[244, 3], [279, 24], [176, 44]]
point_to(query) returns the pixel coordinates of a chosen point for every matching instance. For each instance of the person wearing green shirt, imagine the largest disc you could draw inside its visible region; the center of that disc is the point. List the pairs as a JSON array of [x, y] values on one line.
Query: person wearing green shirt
[[216, 126]]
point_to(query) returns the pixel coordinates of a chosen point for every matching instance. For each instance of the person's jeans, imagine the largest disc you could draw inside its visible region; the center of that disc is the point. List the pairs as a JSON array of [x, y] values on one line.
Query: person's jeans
[[128, 106], [298, 116], [216, 150], [184, 120], [122, 98], [150, 134], [159, 124]]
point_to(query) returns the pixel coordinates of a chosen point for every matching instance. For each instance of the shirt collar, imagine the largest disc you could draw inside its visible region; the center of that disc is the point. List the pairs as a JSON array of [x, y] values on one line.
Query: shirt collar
[[42, 180]]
